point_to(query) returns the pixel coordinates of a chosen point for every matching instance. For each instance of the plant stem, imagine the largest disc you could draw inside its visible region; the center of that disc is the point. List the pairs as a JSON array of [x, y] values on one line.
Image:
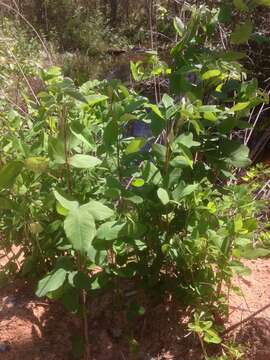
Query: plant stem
[[80, 261], [203, 347], [85, 326], [65, 130], [151, 7], [166, 168]]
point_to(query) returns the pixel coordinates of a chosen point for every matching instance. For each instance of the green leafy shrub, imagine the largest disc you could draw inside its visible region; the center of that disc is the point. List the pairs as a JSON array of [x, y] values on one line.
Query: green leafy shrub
[[78, 193]]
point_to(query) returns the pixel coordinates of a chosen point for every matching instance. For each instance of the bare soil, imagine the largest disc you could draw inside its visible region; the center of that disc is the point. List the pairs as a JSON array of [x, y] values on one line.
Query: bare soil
[[255, 288], [34, 329]]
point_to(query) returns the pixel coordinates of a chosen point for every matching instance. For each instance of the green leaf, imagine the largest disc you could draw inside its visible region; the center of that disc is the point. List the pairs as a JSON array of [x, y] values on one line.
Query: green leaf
[[136, 73], [137, 182], [99, 211], [84, 161], [160, 152], [9, 173], [67, 204], [110, 230], [251, 224], [80, 228], [51, 282], [167, 101], [135, 145], [254, 253], [240, 157], [236, 153], [51, 73], [79, 280], [262, 2], [242, 33], [151, 173], [239, 268], [225, 13], [163, 196], [7, 204], [111, 133], [241, 5], [100, 281], [231, 55], [61, 210], [210, 116], [187, 140], [56, 150], [155, 110], [179, 25], [187, 155], [130, 196], [182, 191], [240, 106], [238, 223], [207, 108], [181, 161], [75, 94], [210, 74], [95, 99], [211, 336]]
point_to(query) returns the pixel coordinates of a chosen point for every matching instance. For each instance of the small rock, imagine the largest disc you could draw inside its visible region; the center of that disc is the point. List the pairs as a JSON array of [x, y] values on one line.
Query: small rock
[[9, 302]]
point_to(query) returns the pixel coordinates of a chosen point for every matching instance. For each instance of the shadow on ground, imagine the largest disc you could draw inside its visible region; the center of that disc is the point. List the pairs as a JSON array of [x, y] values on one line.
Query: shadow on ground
[[32, 329], [255, 337], [35, 329]]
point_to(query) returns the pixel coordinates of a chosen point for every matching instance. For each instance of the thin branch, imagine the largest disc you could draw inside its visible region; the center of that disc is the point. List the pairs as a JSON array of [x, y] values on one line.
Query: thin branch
[[234, 326], [255, 122], [31, 26], [24, 76]]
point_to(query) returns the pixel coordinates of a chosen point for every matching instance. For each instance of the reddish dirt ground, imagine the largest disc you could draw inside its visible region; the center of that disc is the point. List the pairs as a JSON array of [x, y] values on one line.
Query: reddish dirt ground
[[34, 329], [255, 334]]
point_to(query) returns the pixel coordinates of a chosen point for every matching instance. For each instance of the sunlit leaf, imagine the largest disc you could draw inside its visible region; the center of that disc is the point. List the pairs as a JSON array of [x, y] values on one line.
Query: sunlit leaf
[[163, 196], [210, 74], [186, 140], [179, 25], [95, 99], [81, 161], [80, 228], [98, 210], [110, 230], [137, 182], [135, 145], [255, 253], [51, 282], [167, 101], [67, 204], [240, 106]]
